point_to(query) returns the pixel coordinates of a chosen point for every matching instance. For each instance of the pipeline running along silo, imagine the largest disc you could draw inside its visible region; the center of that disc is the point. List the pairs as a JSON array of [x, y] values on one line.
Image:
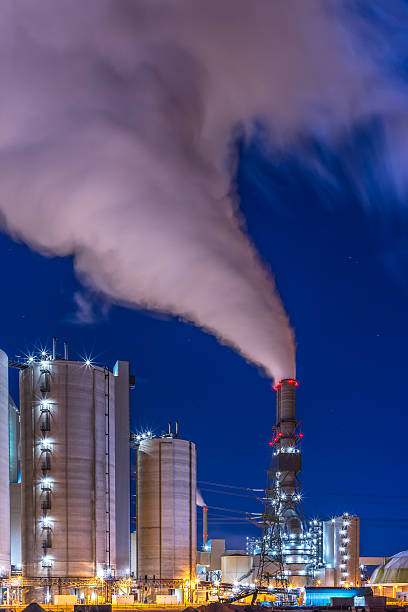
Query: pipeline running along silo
[[68, 469], [166, 509], [4, 468]]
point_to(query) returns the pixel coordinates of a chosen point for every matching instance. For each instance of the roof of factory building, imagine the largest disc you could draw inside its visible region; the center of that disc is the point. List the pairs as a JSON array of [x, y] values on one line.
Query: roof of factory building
[[394, 571]]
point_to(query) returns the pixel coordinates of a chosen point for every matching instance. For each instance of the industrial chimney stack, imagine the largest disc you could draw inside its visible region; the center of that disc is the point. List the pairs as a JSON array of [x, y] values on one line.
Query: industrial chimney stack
[[286, 460]]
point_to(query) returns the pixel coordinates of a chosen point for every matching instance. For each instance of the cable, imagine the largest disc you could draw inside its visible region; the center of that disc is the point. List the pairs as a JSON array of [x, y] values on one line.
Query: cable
[[217, 484], [226, 493], [230, 510]]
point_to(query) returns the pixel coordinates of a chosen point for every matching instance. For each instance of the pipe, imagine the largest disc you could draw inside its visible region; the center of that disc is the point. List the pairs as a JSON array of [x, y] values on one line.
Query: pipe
[[176, 429], [54, 348], [66, 350], [169, 428]]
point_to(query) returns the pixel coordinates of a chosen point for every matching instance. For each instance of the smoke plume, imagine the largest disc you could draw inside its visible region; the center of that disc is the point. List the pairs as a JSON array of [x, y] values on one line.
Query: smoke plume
[[117, 124]]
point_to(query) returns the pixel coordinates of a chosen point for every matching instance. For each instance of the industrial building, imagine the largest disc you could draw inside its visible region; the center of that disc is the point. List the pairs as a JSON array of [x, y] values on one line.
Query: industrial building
[[65, 506], [390, 578]]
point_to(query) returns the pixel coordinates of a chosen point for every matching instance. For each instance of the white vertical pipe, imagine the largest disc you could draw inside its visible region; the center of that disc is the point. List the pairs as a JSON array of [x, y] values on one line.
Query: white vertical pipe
[[4, 469]]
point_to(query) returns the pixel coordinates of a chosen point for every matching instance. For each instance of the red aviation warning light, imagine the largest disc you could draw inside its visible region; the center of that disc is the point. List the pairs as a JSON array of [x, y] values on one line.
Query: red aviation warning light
[[290, 381]]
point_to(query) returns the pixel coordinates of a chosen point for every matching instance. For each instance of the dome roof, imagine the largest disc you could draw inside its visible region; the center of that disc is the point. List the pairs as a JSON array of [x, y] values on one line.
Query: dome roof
[[395, 570]]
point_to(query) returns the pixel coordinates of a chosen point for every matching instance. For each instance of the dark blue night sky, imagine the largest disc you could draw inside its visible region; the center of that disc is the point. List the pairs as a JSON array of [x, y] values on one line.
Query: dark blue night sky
[[341, 270]]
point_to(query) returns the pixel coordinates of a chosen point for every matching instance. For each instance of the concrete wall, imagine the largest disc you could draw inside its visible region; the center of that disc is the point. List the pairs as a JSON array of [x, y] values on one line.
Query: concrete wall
[[15, 523], [122, 470], [236, 568], [133, 552], [217, 550]]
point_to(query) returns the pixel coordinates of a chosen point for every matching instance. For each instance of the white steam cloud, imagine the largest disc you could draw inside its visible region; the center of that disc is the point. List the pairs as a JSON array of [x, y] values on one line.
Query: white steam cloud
[[116, 120]]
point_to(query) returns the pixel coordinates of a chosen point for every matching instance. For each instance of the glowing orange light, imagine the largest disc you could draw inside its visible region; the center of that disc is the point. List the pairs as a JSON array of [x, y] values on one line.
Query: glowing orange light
[[292, 382]]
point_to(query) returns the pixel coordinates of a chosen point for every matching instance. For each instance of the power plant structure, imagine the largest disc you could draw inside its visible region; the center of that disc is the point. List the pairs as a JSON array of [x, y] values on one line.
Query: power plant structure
[[65, 502], [293, 551]]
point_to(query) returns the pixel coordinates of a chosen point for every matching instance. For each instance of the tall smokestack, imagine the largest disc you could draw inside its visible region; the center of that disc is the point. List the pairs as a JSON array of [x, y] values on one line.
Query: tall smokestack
[[205, 525], [54, 348], [66, 350], [286, 462]]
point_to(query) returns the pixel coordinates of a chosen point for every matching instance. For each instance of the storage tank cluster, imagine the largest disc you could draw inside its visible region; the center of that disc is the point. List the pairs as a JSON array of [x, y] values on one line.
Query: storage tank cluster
[[66, 480]]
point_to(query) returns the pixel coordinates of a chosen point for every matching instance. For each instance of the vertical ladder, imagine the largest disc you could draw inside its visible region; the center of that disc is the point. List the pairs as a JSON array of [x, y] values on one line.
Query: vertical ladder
[[107, 473]]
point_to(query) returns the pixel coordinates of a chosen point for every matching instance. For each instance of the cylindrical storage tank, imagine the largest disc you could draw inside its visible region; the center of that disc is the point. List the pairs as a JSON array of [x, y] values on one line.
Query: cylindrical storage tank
[[4, 468], [68, 469], [236, 568], [166, 509]]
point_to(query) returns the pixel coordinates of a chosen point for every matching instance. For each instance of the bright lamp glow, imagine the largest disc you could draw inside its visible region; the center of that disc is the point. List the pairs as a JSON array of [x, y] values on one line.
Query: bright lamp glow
[[45, 483], [46, 561]]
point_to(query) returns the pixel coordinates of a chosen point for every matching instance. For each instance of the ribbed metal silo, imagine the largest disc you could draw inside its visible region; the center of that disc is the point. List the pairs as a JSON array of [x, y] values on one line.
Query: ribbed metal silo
[[4, 468], [68, 469], [166, 509]]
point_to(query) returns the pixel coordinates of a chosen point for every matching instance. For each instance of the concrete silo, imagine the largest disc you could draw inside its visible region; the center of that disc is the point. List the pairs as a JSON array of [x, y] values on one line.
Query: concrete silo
[[166, 509], [4, 468], [68, 469]]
